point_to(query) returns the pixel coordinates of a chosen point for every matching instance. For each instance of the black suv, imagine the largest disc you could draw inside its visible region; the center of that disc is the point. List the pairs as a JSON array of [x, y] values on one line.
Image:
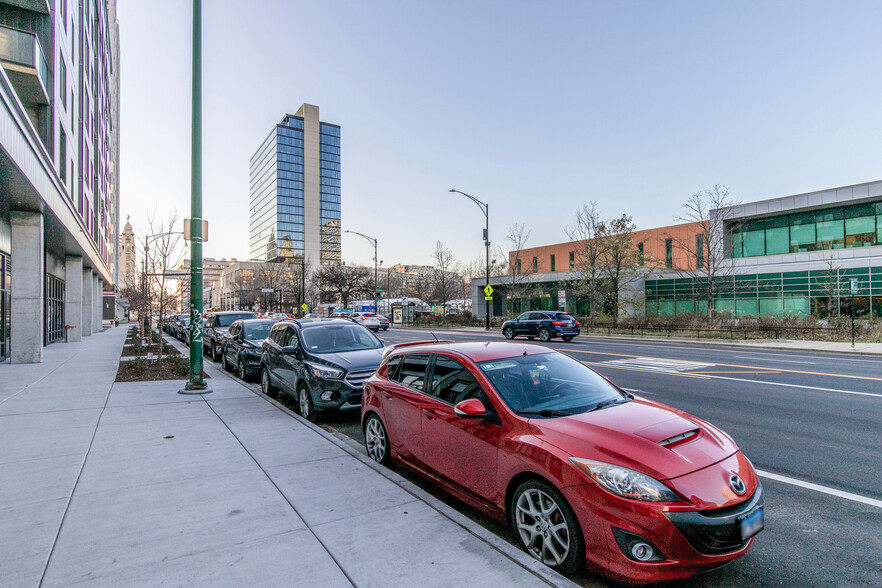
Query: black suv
[[545, 324], [243, 345], [215, 327], [320, 362]]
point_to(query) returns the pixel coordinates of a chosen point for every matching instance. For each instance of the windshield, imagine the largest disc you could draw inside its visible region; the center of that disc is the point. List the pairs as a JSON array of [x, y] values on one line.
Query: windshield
[[225, 320], [257, 331], [339, 338], [548, 382]]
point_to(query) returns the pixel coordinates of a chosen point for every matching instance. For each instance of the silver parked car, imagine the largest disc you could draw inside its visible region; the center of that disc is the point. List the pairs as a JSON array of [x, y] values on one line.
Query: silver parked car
[[366, 319]]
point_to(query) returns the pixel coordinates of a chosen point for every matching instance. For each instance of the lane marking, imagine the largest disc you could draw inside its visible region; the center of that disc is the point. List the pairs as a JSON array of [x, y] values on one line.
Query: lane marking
[[658, 365], [822, 489], [776, 360], [748, 367], [796, 386], [631, 369]]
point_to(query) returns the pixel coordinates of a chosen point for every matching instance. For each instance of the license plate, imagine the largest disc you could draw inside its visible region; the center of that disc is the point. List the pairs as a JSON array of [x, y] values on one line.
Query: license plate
[[752, 524]]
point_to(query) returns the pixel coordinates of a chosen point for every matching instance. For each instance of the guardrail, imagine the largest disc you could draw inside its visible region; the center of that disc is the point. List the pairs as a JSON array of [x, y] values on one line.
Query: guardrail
[[728, 332]]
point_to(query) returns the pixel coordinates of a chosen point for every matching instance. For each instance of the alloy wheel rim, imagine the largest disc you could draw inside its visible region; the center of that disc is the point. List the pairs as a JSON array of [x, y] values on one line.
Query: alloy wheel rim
[[375, 439], [264, 382], [241, 369], [542, 527], [304, 403]]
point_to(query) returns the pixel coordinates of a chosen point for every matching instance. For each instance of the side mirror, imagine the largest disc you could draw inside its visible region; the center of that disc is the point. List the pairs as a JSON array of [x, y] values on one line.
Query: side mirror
[[290, 350], [470, 409]]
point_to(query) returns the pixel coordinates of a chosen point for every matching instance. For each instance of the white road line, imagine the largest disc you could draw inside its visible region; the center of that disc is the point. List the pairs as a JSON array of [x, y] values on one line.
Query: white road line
[[819, 488], [775, 360], [792, 385]]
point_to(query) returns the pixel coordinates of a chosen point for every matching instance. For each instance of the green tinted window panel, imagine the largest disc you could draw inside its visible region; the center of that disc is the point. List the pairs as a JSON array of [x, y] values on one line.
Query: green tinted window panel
[[771, 307], [802, 234], [666, 307], [652, 307], [857, 210], [833, 230], [879, 228], [853, 272], [737, 244], [863, 224], [787, 275], [797, 306], [777, 241], [745, 306], [754, 243], [724, 305], [683, 282], [774, 276], [701, 306], [685, 306]]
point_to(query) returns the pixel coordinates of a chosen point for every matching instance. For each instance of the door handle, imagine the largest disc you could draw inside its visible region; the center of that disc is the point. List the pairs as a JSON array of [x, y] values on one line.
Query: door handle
[[388, 396], [430, 414]]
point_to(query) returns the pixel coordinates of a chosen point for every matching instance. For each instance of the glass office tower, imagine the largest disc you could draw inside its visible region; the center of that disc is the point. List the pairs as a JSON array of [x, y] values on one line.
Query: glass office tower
[[295, 191]]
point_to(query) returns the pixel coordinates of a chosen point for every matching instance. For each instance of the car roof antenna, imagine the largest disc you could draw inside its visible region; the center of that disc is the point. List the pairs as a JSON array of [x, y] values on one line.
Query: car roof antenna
[[434, 336]]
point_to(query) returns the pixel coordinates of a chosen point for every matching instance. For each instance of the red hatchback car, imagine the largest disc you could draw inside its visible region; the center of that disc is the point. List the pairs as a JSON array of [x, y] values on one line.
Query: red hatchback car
[[582, 470]]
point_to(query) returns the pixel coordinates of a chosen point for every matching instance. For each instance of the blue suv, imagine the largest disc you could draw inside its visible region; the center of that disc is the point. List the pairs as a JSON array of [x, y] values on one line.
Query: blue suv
[[545, 324]]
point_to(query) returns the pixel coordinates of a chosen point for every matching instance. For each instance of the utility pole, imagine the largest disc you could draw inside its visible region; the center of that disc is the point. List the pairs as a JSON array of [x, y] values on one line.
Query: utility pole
[[195, 384]]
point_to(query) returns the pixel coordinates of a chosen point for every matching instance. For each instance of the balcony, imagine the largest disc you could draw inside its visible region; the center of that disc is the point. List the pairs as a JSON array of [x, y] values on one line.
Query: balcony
[[22, 58], [41, 6]]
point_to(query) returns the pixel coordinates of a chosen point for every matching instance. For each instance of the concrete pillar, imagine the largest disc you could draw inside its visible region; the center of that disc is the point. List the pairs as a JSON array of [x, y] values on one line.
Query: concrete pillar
[[73, 297], [97, 302], [88, 302], [27, 320]]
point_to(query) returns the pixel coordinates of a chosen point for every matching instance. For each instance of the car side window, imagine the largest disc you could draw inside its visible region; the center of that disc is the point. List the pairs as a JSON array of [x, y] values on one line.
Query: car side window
[[524, 317], [451, 381], [277, 334], [413, 372], [392, 367], [291, 339], [233, 331]]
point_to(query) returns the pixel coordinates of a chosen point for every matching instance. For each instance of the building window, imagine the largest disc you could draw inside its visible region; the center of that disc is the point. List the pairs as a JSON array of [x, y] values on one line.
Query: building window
[[640, 251], [62, 155], [669, 253], [54, 309], [552, 262], [535, 264], [518, 266], [572, 259], [62, 81], [5, 271], [699, 251]]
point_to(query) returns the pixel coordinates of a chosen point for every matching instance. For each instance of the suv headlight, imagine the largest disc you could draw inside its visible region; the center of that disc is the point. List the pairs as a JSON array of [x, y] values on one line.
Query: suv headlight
[[324, 372], [624, 482]]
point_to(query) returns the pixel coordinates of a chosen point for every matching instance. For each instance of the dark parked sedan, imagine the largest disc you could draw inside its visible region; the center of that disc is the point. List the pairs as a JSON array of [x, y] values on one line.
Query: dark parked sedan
[[242, 346], [320, 362], [545, 324]]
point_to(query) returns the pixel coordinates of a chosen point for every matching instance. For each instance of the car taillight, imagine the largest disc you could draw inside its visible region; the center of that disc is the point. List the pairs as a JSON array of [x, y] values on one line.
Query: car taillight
[[558, 323], [577, 324]]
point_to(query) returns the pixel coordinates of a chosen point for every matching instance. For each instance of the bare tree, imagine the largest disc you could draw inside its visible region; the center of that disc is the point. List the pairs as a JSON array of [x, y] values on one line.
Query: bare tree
[[518, 281], [448, 284], [829, 283], [620, 261], [162, 252], [705, 251], [587, 234], [344, 281]]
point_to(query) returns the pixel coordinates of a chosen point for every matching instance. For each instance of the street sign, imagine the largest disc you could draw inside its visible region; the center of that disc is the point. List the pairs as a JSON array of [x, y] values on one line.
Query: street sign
[[303, 307], [488, 291], [561, 298], [854, 285], [488, 298], [267, 290], [381, 290]]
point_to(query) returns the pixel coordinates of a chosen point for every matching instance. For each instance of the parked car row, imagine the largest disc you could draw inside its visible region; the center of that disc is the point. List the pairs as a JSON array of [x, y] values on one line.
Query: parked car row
[[584, 472]]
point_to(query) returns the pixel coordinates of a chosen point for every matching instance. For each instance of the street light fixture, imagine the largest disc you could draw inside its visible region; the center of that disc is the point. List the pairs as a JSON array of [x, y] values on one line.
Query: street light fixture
[[376, 259], [485, 208]]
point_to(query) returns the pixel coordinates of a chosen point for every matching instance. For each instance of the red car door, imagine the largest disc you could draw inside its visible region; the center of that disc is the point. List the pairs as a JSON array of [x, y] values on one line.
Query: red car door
[[402, 398], [464, 451]]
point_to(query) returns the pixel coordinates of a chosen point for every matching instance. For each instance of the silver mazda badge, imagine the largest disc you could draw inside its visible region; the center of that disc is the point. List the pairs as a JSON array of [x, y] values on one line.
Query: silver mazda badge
[[737, 484]]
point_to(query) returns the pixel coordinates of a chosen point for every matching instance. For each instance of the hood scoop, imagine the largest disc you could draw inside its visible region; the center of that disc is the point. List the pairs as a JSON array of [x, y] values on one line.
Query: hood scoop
[[680, 439]]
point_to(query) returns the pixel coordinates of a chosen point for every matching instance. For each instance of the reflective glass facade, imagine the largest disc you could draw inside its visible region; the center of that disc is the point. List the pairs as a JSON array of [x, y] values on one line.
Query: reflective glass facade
[[5, 271], [329, 198], [771, 294], [840, 227]]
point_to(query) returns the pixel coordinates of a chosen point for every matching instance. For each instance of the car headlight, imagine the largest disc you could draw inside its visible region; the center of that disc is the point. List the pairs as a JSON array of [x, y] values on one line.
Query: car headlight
[[624, 482], [324, 372]]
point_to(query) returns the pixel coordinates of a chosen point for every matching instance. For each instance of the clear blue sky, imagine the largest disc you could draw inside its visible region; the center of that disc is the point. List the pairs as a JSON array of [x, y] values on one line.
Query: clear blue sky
[[535, 107]]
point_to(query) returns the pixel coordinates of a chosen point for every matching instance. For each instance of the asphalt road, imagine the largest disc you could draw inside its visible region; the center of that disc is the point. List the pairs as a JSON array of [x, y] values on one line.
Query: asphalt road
[[811, 423]]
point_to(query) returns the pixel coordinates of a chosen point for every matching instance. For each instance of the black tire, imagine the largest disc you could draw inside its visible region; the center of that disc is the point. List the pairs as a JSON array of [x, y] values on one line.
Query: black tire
[[266, 386], [227, 367], [305, 407], [385, 328], [531, 337], [537, 536], [508, 333], [567, 338], [544, 335], [376, 440], [214, 352], [242, 370]]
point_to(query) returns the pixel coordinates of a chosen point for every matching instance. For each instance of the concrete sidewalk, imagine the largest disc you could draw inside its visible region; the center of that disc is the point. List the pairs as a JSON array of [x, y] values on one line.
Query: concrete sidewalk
[[112, 484]]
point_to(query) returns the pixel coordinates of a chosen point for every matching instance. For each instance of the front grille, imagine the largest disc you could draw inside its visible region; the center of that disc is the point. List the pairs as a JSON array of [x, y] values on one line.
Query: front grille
[[356, 379], [715, 531]]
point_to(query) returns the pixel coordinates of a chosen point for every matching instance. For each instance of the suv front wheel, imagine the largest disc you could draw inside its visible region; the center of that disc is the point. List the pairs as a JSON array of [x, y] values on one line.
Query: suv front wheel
[[304, 403]]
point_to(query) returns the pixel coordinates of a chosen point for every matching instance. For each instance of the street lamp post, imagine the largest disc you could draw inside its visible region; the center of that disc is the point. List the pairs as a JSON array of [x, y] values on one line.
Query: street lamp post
[[376, 284], [485, 208]]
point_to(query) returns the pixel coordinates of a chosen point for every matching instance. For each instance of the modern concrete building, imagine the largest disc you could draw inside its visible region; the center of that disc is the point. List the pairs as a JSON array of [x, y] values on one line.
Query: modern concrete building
[[211, 282], [792, 256], [295, 191], [59, 197]]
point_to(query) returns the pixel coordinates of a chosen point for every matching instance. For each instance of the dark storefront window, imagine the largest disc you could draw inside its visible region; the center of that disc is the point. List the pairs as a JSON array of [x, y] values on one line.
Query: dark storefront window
[[54, 309], [5, 270]]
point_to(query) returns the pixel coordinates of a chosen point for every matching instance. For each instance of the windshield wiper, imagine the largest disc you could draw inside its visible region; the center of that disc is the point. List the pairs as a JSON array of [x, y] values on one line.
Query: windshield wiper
[[607, 403], [544, 413]]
